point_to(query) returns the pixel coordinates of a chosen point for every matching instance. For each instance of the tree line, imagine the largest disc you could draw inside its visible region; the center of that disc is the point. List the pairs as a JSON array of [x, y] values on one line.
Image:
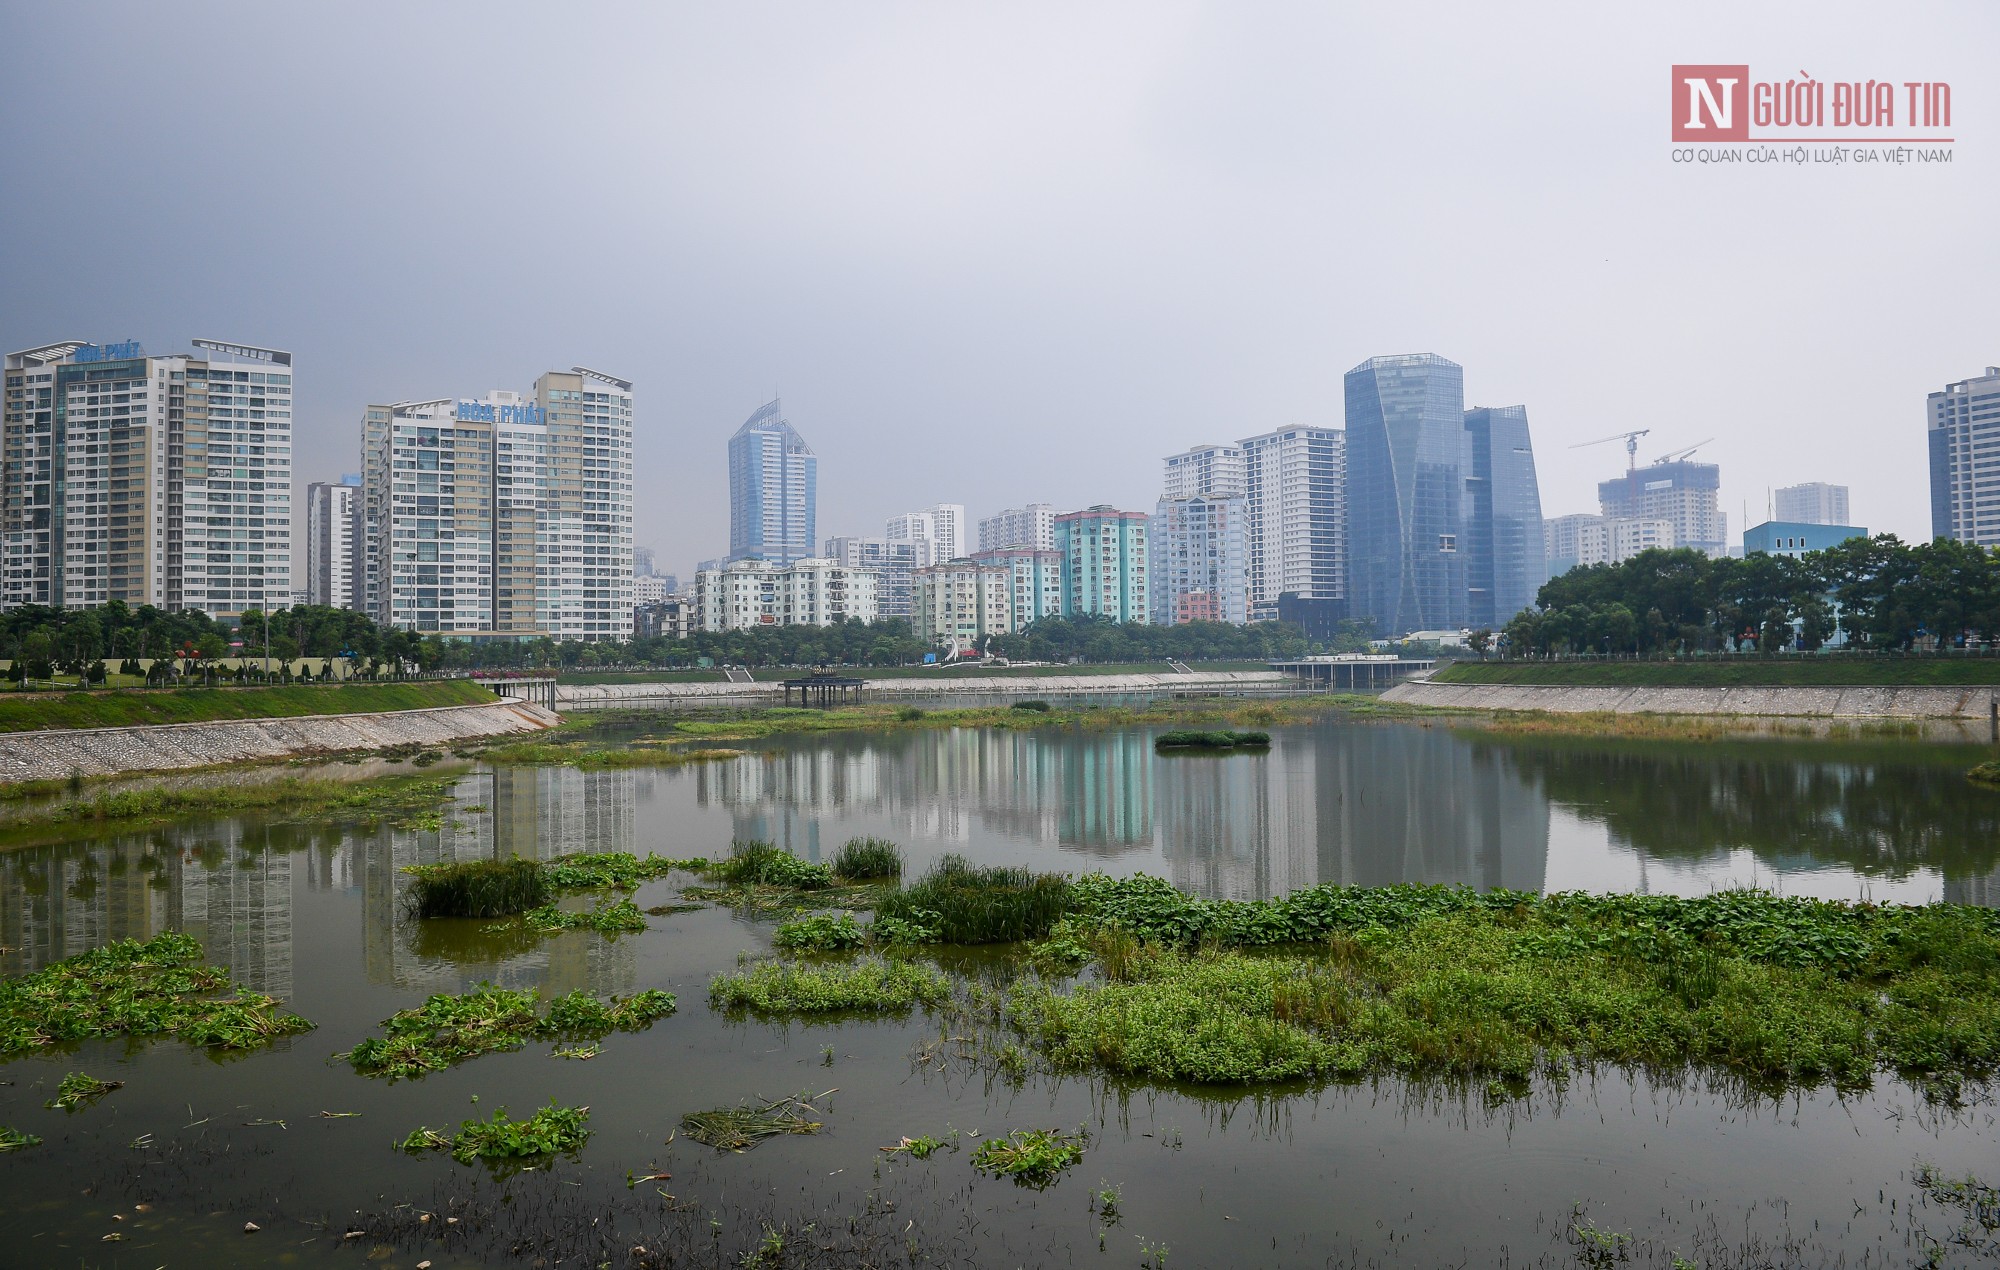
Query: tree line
[[1876, 593]]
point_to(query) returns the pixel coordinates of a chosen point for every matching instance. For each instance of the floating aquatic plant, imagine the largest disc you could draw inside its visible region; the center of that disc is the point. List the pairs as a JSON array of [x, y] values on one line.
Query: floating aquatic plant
[[549, 1132], [448, 1029], [745, 1125], [78, 1090], [1032, 1157], [869, 984]]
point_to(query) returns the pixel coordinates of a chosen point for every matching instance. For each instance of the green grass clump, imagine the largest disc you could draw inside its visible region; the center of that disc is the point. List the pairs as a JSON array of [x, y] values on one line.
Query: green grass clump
[[865, 859], [615, 870], [12, 1139], [448, 1029], [1343, 982], [143, 707], [605, 917], [476, 888], [961, 904], [1032, 1157], [761, 864], [155, 988], [1986, 773], [391, 796], [1186, 739], [871, 984], [550, 1132], [1031, 707], [743, 1126], [78, 1090], [821, 932], [923, 1147]]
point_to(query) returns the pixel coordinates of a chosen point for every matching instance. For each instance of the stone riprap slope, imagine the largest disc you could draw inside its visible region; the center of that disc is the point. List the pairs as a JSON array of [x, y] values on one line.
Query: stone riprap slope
[[54, 755], [1906, 703], [611, 696]]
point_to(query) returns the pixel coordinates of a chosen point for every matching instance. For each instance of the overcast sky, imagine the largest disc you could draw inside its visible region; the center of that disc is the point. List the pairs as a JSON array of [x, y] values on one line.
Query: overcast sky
[[1002, 253]]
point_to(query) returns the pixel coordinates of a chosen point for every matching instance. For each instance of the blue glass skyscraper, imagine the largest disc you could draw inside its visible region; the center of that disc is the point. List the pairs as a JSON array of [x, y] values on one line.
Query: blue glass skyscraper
[[1406, 455], [1505, 563], [773, 490]]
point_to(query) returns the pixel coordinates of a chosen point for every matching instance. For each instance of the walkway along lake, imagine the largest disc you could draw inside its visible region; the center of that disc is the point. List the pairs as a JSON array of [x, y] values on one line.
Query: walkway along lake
[[1384, 1172]]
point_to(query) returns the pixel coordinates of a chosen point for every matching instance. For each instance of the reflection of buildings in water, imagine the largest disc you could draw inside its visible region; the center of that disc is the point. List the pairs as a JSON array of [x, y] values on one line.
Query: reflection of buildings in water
[[1982, 889], [1401, 804], [1107, 791], [532, 812], [1239, 827], [224, 883]]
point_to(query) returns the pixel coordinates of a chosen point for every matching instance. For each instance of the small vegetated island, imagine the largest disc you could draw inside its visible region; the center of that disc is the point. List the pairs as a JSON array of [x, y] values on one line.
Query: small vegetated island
[[1210, 742]]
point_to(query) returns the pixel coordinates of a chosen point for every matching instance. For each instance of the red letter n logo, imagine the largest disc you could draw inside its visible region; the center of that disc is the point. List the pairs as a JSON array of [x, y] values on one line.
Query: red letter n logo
[[1711, 103]]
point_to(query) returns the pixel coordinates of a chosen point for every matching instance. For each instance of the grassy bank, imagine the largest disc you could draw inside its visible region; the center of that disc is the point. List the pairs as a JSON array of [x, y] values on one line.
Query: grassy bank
[[401, 798], [1749, 672], [772, 674], [203, 705]]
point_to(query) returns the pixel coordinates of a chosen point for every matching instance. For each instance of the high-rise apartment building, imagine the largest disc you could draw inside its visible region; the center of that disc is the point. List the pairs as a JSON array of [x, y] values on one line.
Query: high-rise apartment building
[[1218, 471], [1198, 566], [1295, 532], [961, 602], [1505, 559], [1405, 482], [510, 515], [746, 594], [153, 480], [773, 490], [1030, 526], [334, 543], [1036, 580], [1681, 492], [942, 526], [1104, 563], [1964, 430], [1815, 503], [895, 565], [1582, 539]]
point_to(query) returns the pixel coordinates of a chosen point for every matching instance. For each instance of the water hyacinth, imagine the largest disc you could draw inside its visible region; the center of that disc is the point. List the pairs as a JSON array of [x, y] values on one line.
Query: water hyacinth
[[448, 1029]]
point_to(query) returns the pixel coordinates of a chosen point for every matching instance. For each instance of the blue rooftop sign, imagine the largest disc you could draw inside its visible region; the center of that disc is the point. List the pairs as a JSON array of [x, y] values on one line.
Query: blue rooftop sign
[[120, 352]]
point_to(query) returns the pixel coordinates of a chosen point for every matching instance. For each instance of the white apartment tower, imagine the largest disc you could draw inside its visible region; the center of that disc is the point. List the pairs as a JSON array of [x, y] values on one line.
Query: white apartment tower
[[1033, 526], [334, 543], [1207, 471], [1964, 431], [942, 526], [510, 515], [1815, 503], [153, 480], [1295, 518]]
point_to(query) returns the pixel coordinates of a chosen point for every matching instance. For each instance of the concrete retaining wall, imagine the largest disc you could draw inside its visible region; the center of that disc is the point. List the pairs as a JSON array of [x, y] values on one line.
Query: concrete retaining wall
[[1909, 703], [53, 755], [611, 696]]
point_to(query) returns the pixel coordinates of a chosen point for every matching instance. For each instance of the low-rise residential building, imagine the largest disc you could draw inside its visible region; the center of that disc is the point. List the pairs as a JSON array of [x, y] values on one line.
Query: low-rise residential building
[[961, 602], [1036, 581], [668, 618], [1104, 557], [746, 594], [1796, 538]]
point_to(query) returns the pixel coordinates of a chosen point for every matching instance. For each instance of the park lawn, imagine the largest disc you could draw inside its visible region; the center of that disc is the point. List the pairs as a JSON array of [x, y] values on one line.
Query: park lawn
[[29, 712], [1784, 671]]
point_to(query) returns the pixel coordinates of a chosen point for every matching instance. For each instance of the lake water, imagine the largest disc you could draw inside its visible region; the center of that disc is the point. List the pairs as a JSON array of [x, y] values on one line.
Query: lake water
[[1382, 1173]]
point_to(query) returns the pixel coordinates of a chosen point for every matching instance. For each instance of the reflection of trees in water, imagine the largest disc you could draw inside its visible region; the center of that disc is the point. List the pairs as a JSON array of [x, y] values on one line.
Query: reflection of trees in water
[[1876, 817]]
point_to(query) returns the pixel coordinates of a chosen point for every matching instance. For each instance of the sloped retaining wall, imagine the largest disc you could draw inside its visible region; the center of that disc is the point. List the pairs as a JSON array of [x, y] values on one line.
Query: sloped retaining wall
[[53, 755], [1908, 703]]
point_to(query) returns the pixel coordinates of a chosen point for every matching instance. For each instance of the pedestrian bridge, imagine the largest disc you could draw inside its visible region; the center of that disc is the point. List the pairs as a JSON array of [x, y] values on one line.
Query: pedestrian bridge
[[537, 690], [1355, 672]]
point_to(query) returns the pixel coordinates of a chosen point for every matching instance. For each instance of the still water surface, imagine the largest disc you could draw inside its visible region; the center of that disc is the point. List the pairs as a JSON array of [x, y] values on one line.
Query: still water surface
[[1373, 1174]]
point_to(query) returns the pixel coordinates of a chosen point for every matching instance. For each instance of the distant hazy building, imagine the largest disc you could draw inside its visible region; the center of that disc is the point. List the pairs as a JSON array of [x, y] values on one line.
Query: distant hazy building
[[773, 490], [1406, 493], [152, 480], [1036, 580], [894, 563], [508, 515], [942, 527], [1569, 541], [1505, 558], [671, 618], [1682, 493], [1104, 563], [1964, 431], [642, 562], [334, 543], [1030, 526], [1815, 503], [1198, 569], [961, 602], [1221, 471], [815, 591], [1796, 538], [649, 589]]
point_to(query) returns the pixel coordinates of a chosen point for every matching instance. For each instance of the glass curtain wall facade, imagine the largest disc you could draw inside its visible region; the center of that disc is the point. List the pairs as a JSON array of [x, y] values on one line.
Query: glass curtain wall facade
[[773, 490], [1405, 493], [1505, 559]]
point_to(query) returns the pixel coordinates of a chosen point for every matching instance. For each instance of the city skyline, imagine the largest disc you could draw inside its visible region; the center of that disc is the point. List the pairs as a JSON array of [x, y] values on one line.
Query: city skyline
[[1135, 260]]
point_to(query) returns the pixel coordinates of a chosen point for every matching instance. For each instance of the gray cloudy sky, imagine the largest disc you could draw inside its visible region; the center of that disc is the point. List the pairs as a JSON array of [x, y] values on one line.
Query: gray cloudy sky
[[1000, 253]]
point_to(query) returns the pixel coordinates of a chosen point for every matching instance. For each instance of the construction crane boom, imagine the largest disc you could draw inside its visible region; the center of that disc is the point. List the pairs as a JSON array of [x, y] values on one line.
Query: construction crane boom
[[1631, 445], [1678, 455]]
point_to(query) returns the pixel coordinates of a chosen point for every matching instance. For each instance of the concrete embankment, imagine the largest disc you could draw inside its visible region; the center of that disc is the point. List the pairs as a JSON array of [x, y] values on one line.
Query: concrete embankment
[[612, 696], [54, 755], [1906, 703]]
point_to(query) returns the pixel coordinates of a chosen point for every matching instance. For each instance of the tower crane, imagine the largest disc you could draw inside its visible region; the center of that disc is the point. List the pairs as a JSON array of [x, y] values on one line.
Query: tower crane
[[1631, 445], [1678, 455]]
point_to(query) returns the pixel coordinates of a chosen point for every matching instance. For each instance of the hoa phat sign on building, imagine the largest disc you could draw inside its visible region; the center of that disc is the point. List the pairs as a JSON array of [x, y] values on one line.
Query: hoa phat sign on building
[[1724, 114]]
